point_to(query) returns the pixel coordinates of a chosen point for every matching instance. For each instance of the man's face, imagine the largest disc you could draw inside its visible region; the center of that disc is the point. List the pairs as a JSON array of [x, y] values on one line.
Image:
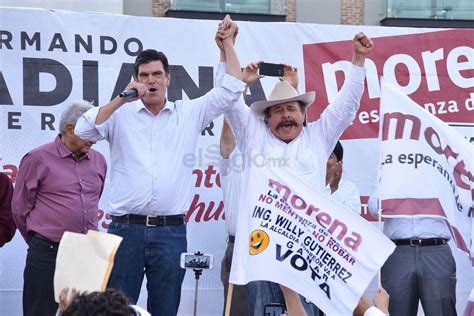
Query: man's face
[[332, 161], [286, 120], [157, 81]]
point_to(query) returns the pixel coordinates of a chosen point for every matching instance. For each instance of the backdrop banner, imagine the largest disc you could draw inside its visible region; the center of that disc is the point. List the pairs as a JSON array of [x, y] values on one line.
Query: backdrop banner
[[49, 59]]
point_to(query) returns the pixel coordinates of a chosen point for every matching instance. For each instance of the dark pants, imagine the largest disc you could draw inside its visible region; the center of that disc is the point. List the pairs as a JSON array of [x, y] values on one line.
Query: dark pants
[[426, 274], [238, 305], [38, 286]]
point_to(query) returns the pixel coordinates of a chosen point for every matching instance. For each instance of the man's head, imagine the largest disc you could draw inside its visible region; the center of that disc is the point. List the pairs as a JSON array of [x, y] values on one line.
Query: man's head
[[67, 123], [334, 166], [152, 69], [285, 111], [110, 302]]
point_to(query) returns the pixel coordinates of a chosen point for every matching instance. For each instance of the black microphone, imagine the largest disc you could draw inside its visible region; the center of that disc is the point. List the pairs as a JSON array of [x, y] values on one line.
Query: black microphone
[[131, 93]]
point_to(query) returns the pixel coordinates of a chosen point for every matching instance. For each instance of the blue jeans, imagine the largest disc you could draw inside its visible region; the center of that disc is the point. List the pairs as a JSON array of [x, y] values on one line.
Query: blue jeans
[[261, 293], [154, 251]]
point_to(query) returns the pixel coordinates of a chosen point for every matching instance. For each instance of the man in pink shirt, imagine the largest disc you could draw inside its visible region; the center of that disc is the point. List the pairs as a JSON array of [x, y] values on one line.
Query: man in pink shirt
[[57, 189]]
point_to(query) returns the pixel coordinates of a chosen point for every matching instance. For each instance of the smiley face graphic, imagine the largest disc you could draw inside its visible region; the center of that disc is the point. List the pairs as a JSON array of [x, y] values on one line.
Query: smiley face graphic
[[258, 241]]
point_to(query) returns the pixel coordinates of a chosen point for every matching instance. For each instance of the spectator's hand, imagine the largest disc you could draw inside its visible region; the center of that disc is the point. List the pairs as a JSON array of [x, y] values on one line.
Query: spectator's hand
[[65, 298], [290, 74], [381, 300], [250, 73], [364, 304]]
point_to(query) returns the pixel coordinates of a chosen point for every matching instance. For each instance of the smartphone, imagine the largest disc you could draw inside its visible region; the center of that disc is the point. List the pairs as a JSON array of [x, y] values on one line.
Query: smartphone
[[193, 261], [273, 70], [274, 309]]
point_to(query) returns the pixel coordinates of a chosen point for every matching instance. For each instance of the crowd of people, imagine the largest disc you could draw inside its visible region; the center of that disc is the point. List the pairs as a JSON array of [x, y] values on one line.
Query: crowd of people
[[59, 185]]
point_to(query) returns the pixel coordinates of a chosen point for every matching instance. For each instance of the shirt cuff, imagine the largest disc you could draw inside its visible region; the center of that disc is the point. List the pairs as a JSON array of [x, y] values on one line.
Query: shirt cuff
[[357, 73], [373, 311]]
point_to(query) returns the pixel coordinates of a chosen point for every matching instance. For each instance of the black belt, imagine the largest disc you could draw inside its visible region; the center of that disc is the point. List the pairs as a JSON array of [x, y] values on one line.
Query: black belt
[[231, 239], [169, 220], [420, 242]]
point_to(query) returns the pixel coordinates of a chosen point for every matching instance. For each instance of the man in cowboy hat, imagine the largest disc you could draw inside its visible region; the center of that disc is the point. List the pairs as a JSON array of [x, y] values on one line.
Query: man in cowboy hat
[[276, 129], [275, 132]]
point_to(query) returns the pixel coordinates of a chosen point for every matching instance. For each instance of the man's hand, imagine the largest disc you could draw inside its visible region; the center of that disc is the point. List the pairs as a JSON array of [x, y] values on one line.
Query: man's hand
[[141, 88], [231, 32], [381, 300], [333, 176], [223, 32], [362, 45], [250, 73], [65, 298], [290, 74]]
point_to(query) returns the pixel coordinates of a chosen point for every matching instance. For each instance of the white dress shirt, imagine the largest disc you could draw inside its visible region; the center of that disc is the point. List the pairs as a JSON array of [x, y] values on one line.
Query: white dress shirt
[[347, 194], [306, 155], [149, 173], [409, 227], [231, 171]]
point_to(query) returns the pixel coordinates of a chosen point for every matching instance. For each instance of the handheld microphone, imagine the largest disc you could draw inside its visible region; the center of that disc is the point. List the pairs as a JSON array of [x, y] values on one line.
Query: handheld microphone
[[131, 93]]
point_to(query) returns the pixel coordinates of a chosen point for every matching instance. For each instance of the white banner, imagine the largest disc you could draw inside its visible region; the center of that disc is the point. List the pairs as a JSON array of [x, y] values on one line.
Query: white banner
[[48, 59], [426, 166], [294, 235]]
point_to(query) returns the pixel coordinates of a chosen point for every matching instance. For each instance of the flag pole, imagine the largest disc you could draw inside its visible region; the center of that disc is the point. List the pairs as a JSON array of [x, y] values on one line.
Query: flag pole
[[229, 299]]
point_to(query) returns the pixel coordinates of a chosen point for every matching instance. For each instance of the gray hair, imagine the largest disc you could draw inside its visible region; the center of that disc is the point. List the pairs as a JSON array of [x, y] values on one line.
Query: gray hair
[[73, 112]]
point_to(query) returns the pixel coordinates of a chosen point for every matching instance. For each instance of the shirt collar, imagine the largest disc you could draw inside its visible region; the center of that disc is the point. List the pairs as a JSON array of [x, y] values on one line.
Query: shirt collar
[[139, 105], [65, 152]]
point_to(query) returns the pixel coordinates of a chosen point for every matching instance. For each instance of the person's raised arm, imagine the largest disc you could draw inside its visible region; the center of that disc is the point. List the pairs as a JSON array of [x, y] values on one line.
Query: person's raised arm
[[232, 61]]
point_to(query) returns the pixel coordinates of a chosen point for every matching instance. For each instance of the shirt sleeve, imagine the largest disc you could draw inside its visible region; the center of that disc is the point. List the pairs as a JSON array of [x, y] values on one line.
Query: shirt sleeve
[[221, 69], [7, 225], [374, 311], [352, 198], [341, 112], [88, 130], [24, 195], [217, 101]]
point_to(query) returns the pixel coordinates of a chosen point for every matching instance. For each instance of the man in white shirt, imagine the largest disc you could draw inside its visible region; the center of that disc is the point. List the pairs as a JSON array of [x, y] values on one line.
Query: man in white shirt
[[342, 191], [276, 131], [422, 267], [151, 187]]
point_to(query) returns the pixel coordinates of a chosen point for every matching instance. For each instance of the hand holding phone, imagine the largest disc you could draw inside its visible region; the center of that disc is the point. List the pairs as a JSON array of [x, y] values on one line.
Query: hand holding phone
[[273, 70]]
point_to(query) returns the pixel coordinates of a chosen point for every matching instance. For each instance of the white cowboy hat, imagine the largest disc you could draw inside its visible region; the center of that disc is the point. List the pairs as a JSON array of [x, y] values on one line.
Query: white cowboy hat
[[282, 92]]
